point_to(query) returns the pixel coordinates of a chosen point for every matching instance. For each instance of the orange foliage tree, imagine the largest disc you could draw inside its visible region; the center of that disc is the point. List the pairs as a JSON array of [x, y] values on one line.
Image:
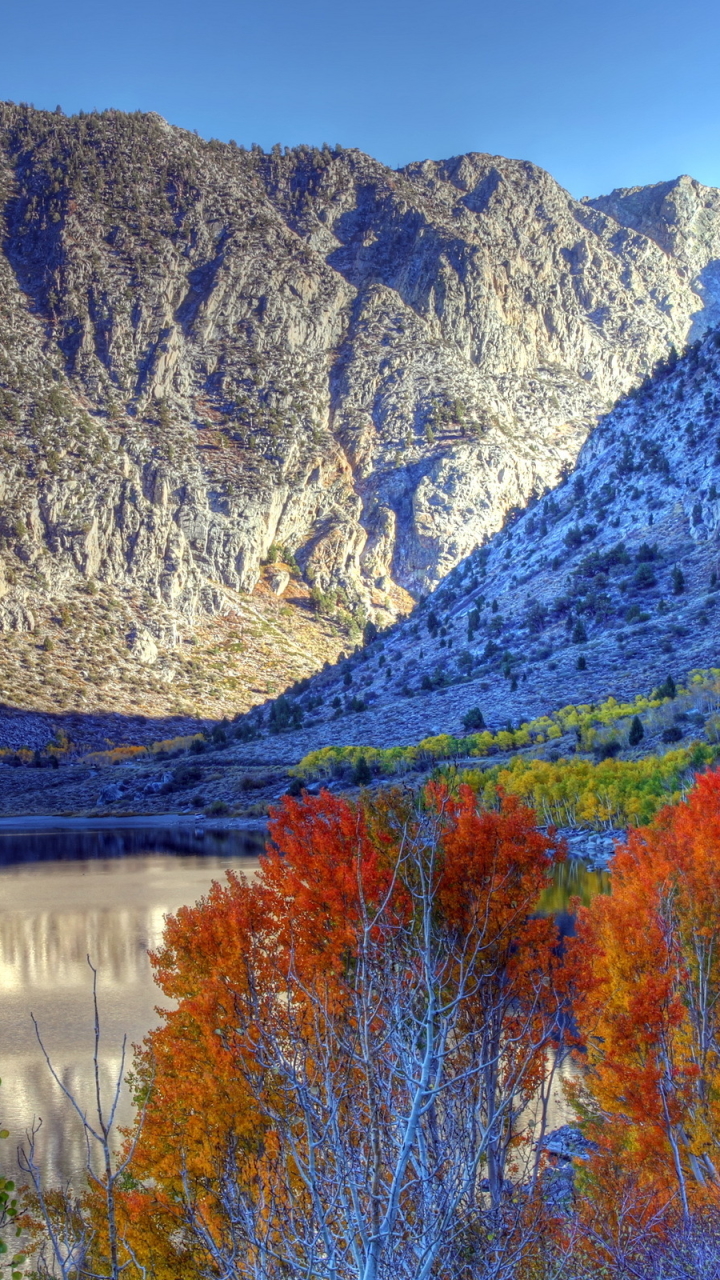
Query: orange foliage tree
[[647, 962], [343, 1086]]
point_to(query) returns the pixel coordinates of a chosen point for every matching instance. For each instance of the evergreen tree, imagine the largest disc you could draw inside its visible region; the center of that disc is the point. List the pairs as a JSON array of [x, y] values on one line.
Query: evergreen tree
[[362, 775], [637, 733], [667, 689]]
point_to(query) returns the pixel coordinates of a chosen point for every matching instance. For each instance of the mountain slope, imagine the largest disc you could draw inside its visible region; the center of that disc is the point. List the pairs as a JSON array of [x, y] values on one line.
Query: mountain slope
[[603, 587]]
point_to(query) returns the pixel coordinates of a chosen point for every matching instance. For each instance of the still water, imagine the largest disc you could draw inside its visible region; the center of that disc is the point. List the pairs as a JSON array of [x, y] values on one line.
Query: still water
[[64, 896], [106, 893]]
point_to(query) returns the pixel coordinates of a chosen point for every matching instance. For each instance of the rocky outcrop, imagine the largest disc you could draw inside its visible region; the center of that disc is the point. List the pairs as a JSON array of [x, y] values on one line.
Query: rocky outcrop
[[205, 352]]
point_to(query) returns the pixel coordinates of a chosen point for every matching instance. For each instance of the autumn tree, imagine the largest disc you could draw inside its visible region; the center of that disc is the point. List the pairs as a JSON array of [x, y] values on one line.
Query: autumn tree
[[345, 1087], [648, 1002]]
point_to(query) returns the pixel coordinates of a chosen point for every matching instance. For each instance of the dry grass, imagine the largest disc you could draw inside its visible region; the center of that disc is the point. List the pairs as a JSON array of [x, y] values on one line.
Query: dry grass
[[79, 659]]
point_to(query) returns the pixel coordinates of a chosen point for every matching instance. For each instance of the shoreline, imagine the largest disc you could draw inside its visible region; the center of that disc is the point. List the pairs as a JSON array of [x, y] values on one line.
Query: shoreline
[[51, 822]]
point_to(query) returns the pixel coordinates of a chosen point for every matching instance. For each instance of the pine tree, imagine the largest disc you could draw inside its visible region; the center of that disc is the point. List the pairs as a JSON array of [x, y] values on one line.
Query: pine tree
[[362, 775], [637, 733]]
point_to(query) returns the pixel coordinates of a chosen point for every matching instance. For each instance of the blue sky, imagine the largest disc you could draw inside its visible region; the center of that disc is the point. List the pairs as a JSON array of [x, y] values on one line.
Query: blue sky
[[601, 95]]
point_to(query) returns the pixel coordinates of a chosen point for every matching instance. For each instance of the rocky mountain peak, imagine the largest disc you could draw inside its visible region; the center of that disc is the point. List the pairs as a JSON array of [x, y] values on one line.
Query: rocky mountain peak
[[683, 218]]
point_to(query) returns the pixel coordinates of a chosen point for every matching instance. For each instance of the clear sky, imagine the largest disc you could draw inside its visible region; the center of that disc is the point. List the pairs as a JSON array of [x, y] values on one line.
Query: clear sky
[[602, 95]]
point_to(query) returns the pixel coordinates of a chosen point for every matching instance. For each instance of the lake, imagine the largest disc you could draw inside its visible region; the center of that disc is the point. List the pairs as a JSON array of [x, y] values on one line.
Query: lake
[[64, 895], [105, 892]]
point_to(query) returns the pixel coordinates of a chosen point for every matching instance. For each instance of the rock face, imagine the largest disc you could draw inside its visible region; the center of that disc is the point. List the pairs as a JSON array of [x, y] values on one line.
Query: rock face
[[205, 352], [683, 218]]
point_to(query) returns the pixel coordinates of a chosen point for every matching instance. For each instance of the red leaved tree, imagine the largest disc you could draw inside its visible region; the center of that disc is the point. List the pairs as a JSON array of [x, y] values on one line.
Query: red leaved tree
[[648, 974], [343, 1090]]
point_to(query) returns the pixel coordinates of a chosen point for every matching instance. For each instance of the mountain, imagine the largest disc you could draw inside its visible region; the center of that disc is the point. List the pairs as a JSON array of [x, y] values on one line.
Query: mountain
[[289, 391], [604, 587]]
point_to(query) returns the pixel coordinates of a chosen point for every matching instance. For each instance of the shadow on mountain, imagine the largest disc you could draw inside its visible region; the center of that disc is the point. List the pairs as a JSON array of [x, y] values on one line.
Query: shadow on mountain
[[90, 731]]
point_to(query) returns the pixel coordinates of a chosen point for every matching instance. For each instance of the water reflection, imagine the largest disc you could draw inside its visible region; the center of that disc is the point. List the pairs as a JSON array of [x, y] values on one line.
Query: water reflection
[[88, 843], [53, 912], [572, 879]]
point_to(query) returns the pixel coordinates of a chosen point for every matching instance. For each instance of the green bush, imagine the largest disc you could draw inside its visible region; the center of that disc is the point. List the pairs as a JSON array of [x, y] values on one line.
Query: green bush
[[473, 720], [644, 577], [218, 809]]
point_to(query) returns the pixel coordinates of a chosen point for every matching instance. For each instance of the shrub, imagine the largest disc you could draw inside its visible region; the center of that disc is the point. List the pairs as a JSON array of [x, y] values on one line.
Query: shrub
[[579, 634], [646, 552], [186, 775], [536, 617], [678, 581], [473, 720], [644, 577], [218, 809], [673, 734]]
